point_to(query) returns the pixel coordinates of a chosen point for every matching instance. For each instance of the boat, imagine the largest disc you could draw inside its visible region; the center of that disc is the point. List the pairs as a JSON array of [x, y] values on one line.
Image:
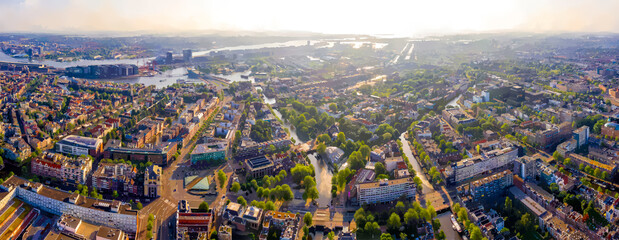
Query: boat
[[455, 225], [162, 80], [245, 76]]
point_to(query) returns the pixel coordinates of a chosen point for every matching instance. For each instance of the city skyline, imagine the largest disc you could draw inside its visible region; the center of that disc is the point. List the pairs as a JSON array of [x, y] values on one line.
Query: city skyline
[[396, 18]]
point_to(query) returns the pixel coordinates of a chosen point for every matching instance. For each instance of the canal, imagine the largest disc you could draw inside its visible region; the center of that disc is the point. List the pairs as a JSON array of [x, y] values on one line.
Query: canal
[[427, 187], [323, 173]]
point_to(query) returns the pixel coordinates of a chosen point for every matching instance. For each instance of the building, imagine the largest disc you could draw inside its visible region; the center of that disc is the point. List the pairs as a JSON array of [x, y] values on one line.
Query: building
[[611, 129], [115, 177], [193, 225], [581, 135], [256, 149], [526, 167], [253, 217], [486, 161], [578, 159], [560, 230], [491, 186], [455, 116], [69, 170], [209, 153], [77, 145], [385, 190], [187, 55], [259, 166], [288, 223], [112, 214], [152, 181], [224, 233], [161, 154], [169, 59]]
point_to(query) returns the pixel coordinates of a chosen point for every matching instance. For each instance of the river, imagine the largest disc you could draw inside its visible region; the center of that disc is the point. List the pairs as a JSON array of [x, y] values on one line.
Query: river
[[427, 187], [162, 80]]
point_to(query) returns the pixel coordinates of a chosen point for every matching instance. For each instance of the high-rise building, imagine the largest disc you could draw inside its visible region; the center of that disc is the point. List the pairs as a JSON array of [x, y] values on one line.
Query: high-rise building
[[581, 135], [187, 55], [168, 58], [526, 167]]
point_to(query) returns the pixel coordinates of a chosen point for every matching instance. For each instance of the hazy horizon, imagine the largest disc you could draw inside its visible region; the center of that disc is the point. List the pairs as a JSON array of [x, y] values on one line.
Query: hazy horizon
[[400, 18]]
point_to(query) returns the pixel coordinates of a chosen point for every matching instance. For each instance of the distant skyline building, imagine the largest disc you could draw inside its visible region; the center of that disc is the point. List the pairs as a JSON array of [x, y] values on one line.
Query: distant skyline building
[[187, 55], [168, 58]]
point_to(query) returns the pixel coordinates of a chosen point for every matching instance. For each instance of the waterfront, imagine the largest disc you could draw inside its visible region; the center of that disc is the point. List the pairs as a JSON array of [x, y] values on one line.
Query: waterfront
[[161, 80]]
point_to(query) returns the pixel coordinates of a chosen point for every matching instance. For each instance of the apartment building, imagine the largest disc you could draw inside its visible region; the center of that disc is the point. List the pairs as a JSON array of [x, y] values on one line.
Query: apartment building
[[486, 161], [385, 190], [491, 185], [115, 177], [113, 214], [69, 170]]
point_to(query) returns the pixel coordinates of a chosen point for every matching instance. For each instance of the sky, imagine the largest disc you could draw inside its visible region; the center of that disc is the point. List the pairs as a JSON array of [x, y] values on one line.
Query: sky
[[390, 17]]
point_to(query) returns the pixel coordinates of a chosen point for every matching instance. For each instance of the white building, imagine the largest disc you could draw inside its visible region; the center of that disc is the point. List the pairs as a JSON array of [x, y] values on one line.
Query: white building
[[487, 161], [77, 145], [113, 214], [385, 190]]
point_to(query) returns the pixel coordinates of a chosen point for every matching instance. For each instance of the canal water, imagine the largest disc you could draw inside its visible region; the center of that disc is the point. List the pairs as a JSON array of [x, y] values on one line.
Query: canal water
[[427, 187], [323, 172]]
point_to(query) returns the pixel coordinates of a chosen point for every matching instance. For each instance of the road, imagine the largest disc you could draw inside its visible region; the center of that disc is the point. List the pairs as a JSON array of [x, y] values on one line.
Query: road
[[172, 190]]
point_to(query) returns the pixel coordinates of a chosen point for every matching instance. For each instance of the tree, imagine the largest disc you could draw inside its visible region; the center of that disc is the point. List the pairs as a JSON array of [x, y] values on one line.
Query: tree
[[365, 151], [222, 177], [235, 187], [269, 205], [371, 228], [597, 173], [463, 215], [554, 187], [241, 200], [394, 222], [567, 161], [299, 172], [333, 107], [321, 148], [307, 219], [115, 194], [505, 128], [476, 234], [557, 156], [139, 206], [386, 236], [331, 235], [203, 207], [508, 204], [311, 193], [441, 235], [379, 168], [400, 208], [308, 182]]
